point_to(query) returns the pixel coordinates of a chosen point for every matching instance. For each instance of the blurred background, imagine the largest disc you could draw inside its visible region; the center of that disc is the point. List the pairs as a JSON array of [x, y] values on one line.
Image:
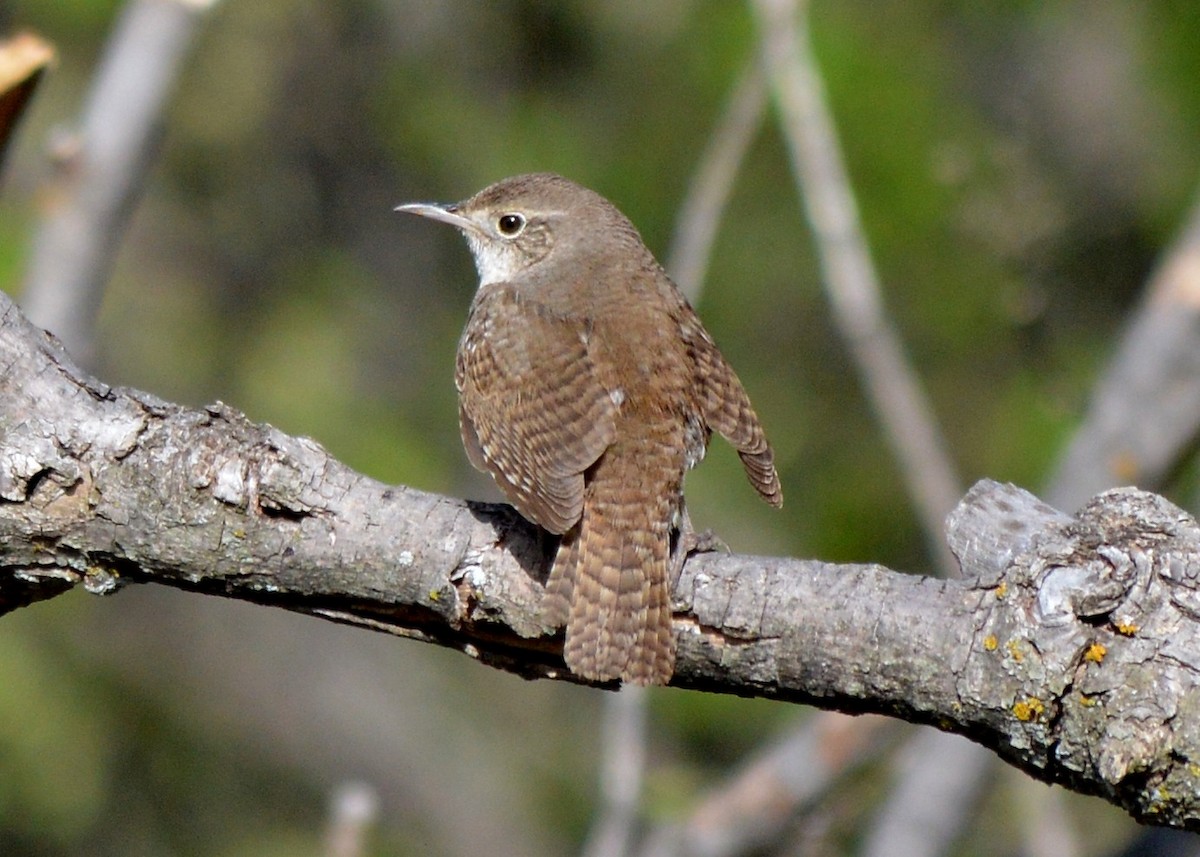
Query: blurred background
[[1020, 169]]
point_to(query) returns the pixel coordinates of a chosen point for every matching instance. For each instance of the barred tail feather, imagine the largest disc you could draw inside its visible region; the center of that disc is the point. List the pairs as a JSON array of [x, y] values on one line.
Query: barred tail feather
[[556, 603], [728, 411], [759, 465], [610, 581]]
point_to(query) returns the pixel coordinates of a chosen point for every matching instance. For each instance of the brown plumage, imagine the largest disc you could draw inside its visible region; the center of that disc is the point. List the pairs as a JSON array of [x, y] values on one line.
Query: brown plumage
[[587, 388]]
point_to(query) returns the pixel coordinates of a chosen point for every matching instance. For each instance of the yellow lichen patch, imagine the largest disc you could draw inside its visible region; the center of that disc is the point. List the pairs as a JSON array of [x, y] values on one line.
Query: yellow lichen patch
[[1095, 653], [435, 596], [1088, 701], [1001, 590], [1126, 628], [990, 642], [1158, 802], [1029, 709], [1014, 650]]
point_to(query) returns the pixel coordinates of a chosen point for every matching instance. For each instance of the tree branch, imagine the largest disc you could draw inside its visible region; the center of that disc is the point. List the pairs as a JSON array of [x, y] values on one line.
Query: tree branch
[[712, 181], [1145, 409], [848, 271], [1069, 647], [774, 790], [100, 171]]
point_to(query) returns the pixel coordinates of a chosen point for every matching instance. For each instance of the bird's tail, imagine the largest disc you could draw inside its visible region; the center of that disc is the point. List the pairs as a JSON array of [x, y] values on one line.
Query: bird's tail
[[609, 584]]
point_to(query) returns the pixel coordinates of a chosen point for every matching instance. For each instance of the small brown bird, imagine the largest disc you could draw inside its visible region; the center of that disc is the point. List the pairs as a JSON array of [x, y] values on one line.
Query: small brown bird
[[587, 388]]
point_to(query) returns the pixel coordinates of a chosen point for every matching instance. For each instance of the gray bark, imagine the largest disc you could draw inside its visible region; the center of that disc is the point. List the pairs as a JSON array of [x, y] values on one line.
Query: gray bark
[[1070, 647]]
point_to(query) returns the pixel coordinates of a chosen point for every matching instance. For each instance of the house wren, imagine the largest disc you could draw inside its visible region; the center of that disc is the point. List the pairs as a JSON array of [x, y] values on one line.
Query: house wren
[[587, 388]]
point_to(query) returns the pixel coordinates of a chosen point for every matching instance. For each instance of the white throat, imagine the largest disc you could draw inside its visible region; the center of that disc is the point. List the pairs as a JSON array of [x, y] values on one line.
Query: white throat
[[496, 262]]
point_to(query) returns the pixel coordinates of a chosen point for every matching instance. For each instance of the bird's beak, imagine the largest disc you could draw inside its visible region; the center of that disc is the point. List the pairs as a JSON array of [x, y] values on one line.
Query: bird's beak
[[445, 213]]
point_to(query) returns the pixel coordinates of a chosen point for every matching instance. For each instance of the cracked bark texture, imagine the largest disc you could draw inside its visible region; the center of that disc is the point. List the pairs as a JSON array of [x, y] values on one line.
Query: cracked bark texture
[[1070, 647]]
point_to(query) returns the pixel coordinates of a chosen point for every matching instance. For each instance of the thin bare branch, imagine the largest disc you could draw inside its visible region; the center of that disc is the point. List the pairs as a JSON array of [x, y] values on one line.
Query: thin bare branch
[[100, 170], [353, 812], [1145, 410], [696, 229], [929, 803], [1047, 827], [623, 768], [849, 274], [712, 182], [1142, 418], [764, 800]]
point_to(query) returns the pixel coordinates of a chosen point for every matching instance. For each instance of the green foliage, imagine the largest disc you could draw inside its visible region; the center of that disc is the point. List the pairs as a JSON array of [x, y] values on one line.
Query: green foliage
[[55, 747], [74, 22]]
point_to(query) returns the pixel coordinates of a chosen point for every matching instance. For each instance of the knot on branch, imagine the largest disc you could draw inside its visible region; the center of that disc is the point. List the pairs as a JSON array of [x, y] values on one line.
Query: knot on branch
[[1106, 563], [1091, 641]]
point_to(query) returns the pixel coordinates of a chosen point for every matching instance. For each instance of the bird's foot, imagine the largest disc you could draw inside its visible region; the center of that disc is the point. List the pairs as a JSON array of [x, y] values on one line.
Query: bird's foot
[[688, 541], [705, 541]]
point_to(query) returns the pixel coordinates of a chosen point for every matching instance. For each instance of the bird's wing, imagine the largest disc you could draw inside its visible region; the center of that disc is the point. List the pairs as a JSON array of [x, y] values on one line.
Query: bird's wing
[[727, 409], [531, 409]]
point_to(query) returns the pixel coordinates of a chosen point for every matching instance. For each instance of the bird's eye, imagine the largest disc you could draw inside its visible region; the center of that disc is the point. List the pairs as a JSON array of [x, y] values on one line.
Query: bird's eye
[[511, 225]]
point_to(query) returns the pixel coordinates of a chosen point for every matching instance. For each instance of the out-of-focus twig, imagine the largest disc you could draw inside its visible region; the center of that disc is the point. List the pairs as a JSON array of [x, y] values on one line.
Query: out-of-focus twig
[[100, 169], [938, 781], [352, 814], [1143, 415], [741, 813], [913, 821], [1046, 824], [23, 60], [708, 192], [849, 274], [1146, 407], [762, 801], [623, 765]]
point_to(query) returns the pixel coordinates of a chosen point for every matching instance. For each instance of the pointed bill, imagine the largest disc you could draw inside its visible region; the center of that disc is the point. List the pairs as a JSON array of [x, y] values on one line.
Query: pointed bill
[[434, 211]]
